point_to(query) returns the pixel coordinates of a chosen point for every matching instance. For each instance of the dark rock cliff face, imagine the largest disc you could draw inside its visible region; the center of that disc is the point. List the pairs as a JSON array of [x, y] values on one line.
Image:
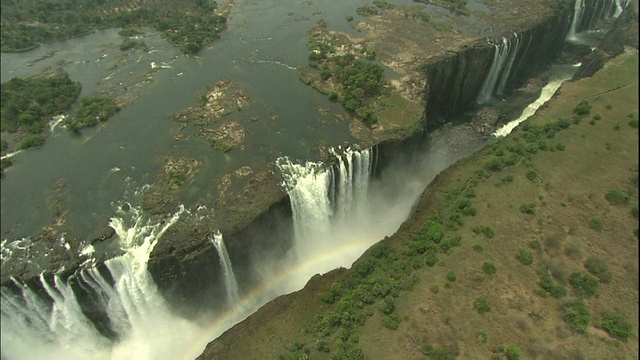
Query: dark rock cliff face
[[190, 276], [453, 81], [623, 33]]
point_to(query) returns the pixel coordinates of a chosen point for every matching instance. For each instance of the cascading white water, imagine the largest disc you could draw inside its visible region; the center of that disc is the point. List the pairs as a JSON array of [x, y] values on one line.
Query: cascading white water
[[500, 59], [578, 11], [307, 187], [137, 313], [513, 51], [231, 285], [599, 9], [319, 194], [352, 170]]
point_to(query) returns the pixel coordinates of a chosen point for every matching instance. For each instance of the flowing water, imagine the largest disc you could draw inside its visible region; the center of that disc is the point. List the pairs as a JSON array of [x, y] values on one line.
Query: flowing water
[[230, 282], [339, 210]]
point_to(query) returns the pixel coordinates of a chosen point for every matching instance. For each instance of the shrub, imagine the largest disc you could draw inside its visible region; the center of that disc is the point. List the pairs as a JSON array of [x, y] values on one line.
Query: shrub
[[529, 208], [431, 259], [535, 245], [596, 223], [451, 276], [547, 284], [524, 256], [583, 108], [599, 268], [489, 268], [617, 197], [482, 337], [477, 248], [513, 352], [532, 175], [434, 288], [584, 285], [507, 179], [487, 231], [482, 305], [617, 323], [391, 322], [437, 353], [30, 141], [577, 315], [322, 346]]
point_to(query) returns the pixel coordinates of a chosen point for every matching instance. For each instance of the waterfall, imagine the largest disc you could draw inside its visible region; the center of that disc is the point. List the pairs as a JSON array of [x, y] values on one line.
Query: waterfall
[[507, 70], [50, 323], [320, 195], [596, 10], [230, 282], [578, 11], [496, 80]]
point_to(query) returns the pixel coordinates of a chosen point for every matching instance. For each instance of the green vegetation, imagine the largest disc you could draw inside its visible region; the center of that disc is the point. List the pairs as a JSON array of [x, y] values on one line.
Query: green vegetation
[[451, 276], [91, 111], [617, 323], [489, 268], [437, 353], [633, 122], [617, 197], [529, 208], [25, 24], [482, 305], [32, 140], [598, 268], [584, 285], [596, 223], [524, 256], [550, 287], [583, 108], [513, 352], [487, 231], [29, 104], [576, 315]]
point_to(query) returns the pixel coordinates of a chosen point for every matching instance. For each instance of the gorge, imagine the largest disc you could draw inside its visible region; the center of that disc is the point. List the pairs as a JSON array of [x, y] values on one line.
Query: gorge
[[184, 275]]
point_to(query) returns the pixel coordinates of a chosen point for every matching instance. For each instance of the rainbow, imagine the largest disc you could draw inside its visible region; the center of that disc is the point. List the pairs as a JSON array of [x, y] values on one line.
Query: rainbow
[[288, 278]]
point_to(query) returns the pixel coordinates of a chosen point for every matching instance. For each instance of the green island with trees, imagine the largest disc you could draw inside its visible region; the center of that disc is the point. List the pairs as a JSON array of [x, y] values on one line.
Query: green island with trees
[[28, 23], [28, 105]]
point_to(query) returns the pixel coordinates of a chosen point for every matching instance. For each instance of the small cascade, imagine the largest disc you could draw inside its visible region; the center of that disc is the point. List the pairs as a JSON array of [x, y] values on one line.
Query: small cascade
[[496, 80], [587, 13], [578, 11], [507, 70], [320, 195], [233, 294], [51, 324]]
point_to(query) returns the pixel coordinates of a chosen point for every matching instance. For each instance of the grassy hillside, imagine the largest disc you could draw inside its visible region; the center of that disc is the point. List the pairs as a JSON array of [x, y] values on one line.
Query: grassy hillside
[[528, 249]]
